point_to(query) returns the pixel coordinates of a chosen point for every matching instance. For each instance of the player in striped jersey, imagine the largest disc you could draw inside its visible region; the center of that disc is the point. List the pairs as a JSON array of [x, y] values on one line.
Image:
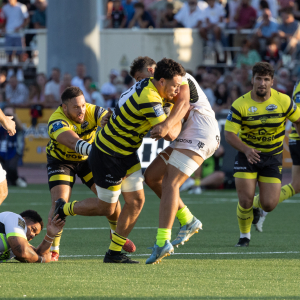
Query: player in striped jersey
[[197, 141], [288, 190], [113, 159], [259, 117], [72, 128]]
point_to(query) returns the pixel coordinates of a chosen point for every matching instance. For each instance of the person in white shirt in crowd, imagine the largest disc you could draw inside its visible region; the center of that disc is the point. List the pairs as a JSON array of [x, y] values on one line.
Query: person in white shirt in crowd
[[87, 80], [189, 15], [52, 89], [212, 24], [266, 25], [66, 82], [96, 97], [259, 7], [16, 18], [16, 93], [109, 90], [78, 79]]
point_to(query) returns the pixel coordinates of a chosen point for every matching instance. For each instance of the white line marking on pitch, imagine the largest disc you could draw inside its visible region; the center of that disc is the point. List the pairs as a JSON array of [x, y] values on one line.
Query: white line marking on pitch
[[219, 253], [104, 228]]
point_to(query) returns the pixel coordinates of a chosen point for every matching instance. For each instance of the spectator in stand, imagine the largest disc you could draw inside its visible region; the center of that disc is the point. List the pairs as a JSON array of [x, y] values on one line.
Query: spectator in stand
[[129, 10], [10, 152], [117, 17], [205, 84], [167, 19], [39, 16], [286, 4], [16, 18], [266, 25], [141, 18], [52, 89], [283, 79], [128, 82], [16, 93], [2, 80], [212, 23], [86, 91], [245, 15], [189, 15], [296, 10], [234, 92], [271, 53], [78, 79], [260, 5], [109, 90], [230, 9], [96, 97], [221, 96], [37, 90], [66, 82], [247, 57]]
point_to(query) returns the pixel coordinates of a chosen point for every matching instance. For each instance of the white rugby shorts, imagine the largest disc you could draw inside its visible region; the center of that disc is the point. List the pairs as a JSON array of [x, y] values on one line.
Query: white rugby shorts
[[200, 133], [2, 174]]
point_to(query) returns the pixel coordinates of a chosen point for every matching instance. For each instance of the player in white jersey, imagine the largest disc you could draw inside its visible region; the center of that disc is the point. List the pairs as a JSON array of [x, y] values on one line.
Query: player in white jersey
[[197, 141], [16, 230]]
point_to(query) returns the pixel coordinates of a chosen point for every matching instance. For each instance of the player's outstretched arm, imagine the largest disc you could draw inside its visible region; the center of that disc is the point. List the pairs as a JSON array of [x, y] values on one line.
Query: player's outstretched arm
[[8, 123], [233, 140]]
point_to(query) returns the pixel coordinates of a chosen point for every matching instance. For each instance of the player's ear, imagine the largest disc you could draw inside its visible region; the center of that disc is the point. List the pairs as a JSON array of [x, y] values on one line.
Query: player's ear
[[162, 82]]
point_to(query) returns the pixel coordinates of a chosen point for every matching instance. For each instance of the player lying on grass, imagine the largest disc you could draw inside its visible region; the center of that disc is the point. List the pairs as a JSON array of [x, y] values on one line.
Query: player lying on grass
[[259, 118], [198, 140], [17, 230], [113, 159], [293, 188], [72, 128]]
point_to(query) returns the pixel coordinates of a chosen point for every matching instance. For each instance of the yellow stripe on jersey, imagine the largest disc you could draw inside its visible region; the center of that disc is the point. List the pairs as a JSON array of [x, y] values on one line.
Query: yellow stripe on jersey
[[62, 177], [59, 123], [138, 109], [261, 125], [296, 97]]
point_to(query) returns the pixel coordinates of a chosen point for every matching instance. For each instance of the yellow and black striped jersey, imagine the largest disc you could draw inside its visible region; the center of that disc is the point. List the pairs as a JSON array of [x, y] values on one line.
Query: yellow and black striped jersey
[[261, 125], [296, 97], [138, 109], [59, 123]]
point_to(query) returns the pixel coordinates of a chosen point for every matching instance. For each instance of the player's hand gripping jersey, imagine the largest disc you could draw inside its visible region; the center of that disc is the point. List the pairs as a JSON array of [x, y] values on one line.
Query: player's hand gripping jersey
[[59, 123], [138, 109], [262, 125], [296, 97], [11, 224]]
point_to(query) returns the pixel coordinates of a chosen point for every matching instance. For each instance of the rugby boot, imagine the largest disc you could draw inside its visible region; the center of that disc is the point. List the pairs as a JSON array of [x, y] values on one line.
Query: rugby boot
[[158, 253], [54, 256], [243, 242], [262, 218], [186, 231], [120, 258], [59, 209], [256, 215]]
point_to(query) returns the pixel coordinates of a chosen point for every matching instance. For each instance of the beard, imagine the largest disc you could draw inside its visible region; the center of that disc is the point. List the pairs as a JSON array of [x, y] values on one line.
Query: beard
[[261, 94], [75, 118]]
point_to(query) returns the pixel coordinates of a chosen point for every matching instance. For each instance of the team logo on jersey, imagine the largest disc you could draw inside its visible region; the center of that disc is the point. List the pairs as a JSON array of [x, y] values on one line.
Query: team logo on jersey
[[262, 132], [263, 119], [229, 117], [250, 119], [84, 124], [100, 112], [252, 109], [21, 223], [280, 169], [158, 110], [57, 125], [75, 127], [200, 145], [297, 99], [271, 107]]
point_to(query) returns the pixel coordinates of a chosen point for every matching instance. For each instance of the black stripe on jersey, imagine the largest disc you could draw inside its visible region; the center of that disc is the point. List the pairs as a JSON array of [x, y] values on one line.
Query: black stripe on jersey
[[236, 112], [294, 97], [279, 134], [127, 139], [148, 105], [124, 120], [236, 121], [116, 143], [259, 146], [115, 121], [150, 115], [294, 131], [62, 152], [131, 114], [108, 150], [263, 125], [58, 156], [194, 97], [270, 116], [290, 107], [96, 113], [86, 132]]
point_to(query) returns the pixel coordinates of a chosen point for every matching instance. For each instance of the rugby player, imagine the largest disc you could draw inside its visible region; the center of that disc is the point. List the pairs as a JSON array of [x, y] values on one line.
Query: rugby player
[[197, 141], [17, 230], [293, 188], [113, 159], [72, 128], [259, 118]]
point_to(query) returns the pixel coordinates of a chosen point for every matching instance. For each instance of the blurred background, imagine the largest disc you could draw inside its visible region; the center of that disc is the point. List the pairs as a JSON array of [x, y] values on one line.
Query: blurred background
[[46, 46]]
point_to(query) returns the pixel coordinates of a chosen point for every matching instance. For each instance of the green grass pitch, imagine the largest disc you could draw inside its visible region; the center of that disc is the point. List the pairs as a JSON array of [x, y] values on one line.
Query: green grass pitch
[[206, 267]]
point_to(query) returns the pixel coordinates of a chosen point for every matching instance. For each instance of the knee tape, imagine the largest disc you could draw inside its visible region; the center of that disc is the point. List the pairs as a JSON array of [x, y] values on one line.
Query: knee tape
[[134, 182], [162, 157], [183, 163], [107, 195]]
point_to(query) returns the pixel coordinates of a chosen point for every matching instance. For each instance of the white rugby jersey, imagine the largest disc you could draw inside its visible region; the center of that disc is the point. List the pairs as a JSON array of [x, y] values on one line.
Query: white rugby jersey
[[11, 224], [197, 97]]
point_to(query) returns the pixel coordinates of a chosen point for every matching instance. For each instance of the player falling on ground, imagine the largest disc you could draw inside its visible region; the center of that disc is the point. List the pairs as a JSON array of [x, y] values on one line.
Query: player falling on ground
[[72, 128], [17, 230], [197, 141], [293, 188], [113, 159], [259, 117]]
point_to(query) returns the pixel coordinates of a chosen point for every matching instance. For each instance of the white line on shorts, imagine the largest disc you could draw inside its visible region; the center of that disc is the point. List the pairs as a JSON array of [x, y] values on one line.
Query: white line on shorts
[[218, 253]]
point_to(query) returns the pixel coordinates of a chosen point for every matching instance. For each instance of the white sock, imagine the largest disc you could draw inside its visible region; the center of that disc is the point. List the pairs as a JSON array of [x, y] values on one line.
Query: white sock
[[263, 213], [245, 235]]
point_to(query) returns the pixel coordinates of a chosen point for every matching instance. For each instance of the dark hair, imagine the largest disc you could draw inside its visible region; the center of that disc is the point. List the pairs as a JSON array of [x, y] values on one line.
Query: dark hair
[[263, 69], [56, 69], [33, 216], [198, 78], [264, 4], [87, 78], [167, 69], [287, 10], [128, 80], [70, 93], [170, 5], [140, 63], [139, 5]]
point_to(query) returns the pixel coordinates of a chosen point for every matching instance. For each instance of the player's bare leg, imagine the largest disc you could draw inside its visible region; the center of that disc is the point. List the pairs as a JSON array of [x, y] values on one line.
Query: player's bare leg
[[3, 191], [269, 195]]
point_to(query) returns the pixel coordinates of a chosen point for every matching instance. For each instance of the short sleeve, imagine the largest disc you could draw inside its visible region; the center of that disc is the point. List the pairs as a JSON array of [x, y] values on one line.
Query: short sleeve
[[233, 121], [178, 17], [56, 127], [293, 113], [15, 226], [24, 11], [99, 113]]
